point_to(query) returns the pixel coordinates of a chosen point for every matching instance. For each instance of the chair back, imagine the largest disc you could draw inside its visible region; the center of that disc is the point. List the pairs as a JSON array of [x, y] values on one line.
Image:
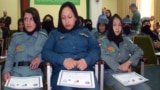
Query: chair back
[[145, 43]]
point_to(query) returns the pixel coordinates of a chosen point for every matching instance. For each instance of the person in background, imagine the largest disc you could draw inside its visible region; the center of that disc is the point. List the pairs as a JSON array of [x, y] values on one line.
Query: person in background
[[108, 14], [103, 14], [48, 23], [81, 20], [24, 53], [127, 28], [6, 19], [20, 25], [102, 27], [1, 37], [145, 29], [119, 54], [88, 24], [152, 23], [70, 47], [5, 31], [136, 18]]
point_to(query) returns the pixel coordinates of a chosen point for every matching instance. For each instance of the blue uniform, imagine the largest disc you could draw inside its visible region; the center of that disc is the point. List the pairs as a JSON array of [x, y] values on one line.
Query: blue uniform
[[75, 44], [114, 56], [24, 47]]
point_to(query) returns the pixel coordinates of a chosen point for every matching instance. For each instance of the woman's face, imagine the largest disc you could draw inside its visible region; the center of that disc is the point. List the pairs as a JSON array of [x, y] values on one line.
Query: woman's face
[[117, 26], [29, 23], [68, 18], [107, 13], [20, 26], [102, 27]]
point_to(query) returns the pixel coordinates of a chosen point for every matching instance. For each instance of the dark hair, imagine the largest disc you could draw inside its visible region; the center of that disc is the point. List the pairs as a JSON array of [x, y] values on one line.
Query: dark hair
[[74, 10], [110, 34], [132, 5], [19, 20], [109, 17], [81, 18], [35, 14]]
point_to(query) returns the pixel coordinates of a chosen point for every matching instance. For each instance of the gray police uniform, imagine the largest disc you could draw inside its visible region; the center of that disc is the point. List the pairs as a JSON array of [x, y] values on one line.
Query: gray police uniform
[[23, 49], [114, 56]]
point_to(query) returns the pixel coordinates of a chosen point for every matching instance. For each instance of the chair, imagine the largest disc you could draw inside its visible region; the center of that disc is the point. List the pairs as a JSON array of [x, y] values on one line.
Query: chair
[[99, 70], [149, 67]]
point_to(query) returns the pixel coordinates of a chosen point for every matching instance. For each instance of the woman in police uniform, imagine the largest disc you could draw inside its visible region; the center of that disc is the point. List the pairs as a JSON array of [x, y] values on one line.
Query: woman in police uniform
[[24, 53], [120, 54], [70, 47]]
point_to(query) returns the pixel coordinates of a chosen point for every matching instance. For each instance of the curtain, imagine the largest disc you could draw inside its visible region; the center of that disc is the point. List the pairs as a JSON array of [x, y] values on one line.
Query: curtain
[[23, 5], [123, 7], [156, 10]]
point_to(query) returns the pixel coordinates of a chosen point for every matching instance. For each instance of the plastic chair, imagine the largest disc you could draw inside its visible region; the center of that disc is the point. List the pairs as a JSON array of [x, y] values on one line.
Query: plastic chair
[[149, 57], [149, 65], [99, 72]]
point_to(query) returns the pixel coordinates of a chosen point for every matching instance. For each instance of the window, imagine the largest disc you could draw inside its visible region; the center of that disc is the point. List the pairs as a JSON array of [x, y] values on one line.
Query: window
[[145, 8]]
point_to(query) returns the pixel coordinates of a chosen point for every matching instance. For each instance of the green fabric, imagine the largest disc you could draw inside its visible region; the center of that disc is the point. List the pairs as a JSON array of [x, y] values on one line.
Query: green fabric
[[136, 20], [145, 43]]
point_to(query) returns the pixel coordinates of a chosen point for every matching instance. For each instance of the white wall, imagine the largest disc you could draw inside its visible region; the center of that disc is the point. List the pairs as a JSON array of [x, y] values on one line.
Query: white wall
[[95, 11]]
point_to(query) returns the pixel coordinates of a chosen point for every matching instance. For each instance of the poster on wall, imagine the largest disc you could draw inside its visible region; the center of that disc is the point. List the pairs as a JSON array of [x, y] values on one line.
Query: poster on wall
[[55, 2]]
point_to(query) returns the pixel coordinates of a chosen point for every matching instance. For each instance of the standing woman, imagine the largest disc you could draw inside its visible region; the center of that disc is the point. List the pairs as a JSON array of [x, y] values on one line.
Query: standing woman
[[70, 47], [24, 53], [120, 54]]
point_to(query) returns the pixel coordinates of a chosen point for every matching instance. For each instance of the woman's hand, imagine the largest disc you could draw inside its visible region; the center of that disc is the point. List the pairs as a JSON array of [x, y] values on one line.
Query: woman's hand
[[81, 64], [6, 76], [126, 67], [69, 63], [35, 63]]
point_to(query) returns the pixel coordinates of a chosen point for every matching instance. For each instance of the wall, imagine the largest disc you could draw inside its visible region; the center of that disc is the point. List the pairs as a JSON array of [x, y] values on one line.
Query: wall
[[54, 10], [110, 4], [95, 11], [12, 9]]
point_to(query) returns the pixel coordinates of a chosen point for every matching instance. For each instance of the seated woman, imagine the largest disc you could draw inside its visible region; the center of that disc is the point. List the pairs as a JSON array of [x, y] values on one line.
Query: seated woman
[[120, 54], [101, 28], [70, 47], [24, 53]]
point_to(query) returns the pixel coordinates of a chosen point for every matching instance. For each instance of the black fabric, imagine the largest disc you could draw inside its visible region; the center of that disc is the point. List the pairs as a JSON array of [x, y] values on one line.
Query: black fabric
[[126, 30], [22, 63], [48, 26], [110, 34], [29, 33]]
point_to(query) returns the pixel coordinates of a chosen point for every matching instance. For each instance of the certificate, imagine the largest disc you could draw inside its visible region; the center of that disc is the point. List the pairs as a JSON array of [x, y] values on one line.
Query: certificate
[[24, 82], [78, 79], [128, 79]]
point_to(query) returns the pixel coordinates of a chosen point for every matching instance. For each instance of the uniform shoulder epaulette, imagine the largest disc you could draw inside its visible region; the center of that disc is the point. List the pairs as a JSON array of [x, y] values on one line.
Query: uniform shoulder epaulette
[[43, 33], [17, 33]]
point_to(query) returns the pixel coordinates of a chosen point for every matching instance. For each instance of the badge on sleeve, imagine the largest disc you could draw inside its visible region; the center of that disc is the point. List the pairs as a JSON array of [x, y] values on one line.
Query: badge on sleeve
[[83, 34], [19, 48], [110, 49]]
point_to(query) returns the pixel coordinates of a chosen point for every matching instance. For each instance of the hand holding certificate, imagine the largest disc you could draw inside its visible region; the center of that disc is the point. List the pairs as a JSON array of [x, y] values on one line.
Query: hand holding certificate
[[79, 79], [24, 82], [128, 79]]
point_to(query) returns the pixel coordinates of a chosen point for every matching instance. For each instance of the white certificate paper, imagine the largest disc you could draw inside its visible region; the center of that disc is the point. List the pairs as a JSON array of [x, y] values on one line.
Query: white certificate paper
[[78, 79], [128, 79], [24, 82]]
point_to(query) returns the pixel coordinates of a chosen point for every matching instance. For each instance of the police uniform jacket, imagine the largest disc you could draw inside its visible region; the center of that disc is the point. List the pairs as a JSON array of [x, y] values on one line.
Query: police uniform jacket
[[78, 43], [24, 47], [114, 56]]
